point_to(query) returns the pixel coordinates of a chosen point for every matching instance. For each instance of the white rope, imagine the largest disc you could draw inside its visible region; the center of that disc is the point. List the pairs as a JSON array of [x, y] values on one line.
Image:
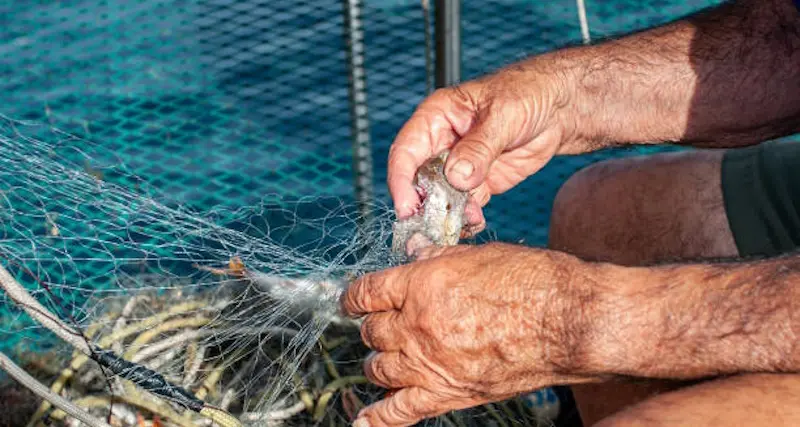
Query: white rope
[[42, 391], [275, 415], [167, 343], [584, 21], [39, 313], [194, 368]]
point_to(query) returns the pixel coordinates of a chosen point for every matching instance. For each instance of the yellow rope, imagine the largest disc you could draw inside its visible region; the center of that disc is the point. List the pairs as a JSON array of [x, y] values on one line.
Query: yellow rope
[[208, 384], [220, 417], [145, 337], [79, 359], [133, 397]]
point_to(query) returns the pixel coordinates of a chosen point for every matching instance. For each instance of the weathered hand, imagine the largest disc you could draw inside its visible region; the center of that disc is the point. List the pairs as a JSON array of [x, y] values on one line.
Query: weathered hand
[[499, 129], [466, 325]]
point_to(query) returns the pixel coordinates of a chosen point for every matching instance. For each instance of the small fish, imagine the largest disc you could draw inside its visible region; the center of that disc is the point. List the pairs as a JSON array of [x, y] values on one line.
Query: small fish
[[440, 218]]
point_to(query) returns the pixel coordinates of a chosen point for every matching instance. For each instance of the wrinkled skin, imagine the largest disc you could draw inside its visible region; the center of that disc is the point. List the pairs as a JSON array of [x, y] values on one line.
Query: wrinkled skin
[[466, 325], [506, 125]]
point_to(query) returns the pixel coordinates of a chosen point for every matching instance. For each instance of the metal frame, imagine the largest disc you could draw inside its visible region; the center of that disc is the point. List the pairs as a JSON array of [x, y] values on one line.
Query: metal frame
[[447, 24], [448, 42], [359, 113]]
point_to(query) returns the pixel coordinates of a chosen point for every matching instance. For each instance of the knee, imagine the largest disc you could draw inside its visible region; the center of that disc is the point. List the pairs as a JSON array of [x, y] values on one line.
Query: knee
[[628, 421], [643, 209], [578, 209]]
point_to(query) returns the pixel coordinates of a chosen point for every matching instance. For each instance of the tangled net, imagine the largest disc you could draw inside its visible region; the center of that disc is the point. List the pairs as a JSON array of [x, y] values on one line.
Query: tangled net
[[237, 308]]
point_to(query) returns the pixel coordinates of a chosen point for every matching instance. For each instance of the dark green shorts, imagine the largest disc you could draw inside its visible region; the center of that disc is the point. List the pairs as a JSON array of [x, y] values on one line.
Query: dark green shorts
[[761, 189]]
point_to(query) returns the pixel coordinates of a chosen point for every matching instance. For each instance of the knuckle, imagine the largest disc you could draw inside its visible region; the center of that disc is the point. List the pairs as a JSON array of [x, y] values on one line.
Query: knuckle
[[422, 405], [348, 302], [358, 295], [368, 290], [367, 328], [455, 92], [383, 370], [402, 409], [373, 370], [426, 325], [477, 147], [481, 195], [458, 93], [376, 331], [442, 98]]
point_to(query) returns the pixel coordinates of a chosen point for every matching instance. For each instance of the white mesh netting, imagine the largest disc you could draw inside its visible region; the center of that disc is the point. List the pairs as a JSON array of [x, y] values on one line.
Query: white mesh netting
[[237, 307]]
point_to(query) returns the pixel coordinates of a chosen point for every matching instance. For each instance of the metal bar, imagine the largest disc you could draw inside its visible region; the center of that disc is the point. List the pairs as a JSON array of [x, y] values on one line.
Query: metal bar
[[448, 42], [359, 117], [426, 18]]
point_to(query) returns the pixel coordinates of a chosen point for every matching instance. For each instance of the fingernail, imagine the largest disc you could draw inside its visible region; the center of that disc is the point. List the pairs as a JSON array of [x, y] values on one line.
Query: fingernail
[[463, 168], [361, 422]]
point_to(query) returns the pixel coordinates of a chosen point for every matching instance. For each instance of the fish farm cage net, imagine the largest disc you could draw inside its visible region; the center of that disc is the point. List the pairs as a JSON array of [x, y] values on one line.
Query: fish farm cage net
[[239, 115], [219, 102]]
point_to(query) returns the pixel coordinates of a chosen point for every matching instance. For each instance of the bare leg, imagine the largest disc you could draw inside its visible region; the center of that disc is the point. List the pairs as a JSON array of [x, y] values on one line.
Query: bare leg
[[744, 400], [644, 210], [639, 211]]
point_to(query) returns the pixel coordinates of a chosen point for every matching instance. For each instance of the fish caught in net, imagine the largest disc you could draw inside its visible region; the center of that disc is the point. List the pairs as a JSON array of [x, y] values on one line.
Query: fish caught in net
[[227, 317]]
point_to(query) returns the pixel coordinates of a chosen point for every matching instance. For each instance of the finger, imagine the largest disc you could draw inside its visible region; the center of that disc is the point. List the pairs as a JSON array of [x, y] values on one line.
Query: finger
[[473, 216], [472, 230], [383, 331], [390, 370], [380, 291], [481, 194], [404, 160], [406, 407]]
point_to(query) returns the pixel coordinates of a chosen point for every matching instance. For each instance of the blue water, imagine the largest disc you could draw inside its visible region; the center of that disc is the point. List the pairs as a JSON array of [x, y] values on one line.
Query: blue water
[[223, 102]]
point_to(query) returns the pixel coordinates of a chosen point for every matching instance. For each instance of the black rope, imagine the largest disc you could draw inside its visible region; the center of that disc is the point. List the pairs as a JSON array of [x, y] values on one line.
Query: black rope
[[147, 379], [60, 304]]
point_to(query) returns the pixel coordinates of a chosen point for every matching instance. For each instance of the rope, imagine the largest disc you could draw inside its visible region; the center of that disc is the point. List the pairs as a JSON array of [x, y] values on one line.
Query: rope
[[584, 21], [42, 391]]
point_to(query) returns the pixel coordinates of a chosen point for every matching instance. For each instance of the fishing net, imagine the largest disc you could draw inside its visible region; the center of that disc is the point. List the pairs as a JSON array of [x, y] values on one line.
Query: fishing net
[[110, 257], [239, 307]]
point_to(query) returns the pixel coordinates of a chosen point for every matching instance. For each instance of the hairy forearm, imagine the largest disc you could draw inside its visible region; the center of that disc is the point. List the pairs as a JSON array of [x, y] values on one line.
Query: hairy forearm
[[724, 77], [698, 320]]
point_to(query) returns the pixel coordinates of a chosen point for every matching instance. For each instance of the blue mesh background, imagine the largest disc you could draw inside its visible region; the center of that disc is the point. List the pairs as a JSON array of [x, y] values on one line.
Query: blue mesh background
[[223, 102]]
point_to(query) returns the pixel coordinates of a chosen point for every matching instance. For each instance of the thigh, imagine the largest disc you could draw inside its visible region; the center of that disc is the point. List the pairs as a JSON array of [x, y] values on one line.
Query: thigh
[[745, 400], [645, 209]]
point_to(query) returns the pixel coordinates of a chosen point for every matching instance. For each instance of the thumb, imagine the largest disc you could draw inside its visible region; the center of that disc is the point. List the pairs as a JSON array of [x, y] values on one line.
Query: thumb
[[472, 156]]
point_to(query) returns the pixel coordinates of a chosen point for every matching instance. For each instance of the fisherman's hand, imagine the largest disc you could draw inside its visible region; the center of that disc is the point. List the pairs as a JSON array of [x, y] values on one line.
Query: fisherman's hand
[[500, 129], [467, 325]]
